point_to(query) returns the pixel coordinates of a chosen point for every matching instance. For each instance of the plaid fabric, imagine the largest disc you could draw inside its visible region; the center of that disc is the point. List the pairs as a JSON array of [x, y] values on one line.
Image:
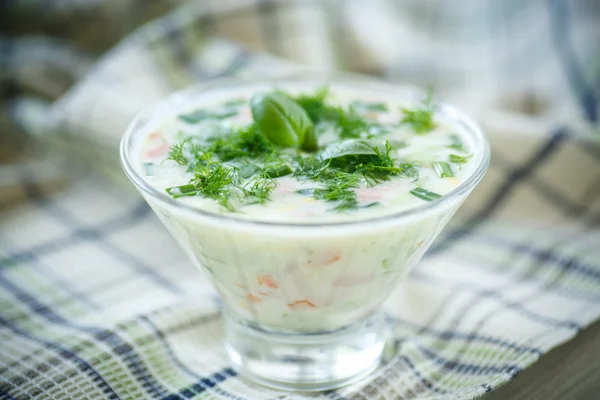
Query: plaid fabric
[[97, 301]]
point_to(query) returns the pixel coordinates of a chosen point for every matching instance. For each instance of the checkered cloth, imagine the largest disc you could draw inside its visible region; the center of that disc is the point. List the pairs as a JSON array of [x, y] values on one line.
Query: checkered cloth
[[98, 302]]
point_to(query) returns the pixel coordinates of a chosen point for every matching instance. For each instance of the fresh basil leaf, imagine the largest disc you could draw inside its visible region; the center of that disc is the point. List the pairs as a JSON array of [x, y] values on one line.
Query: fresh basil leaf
[[310, 141], [283, 121], [353, 147]]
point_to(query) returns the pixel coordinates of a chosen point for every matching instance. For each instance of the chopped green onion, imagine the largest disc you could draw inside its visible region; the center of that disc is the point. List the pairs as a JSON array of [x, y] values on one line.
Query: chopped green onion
[[458, 159], [276, 172], [306, 192], [183, 190], [421, 119], [374, 204], [235, 103], [149, 168], [200, 115], [424, 194], [247, 170], [380, 107], [443, 169], [457, 144]]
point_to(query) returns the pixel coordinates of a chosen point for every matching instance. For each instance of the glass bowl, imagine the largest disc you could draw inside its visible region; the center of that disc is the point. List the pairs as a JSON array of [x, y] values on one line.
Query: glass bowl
[[302, 301]]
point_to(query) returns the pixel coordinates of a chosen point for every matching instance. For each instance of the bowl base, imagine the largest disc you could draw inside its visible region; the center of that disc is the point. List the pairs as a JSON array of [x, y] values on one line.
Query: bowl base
[[306, 361]]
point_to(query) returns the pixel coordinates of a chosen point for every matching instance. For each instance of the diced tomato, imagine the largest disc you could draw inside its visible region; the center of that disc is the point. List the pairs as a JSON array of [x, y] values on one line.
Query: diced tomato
[[158, 151], [332, 258], [253, 298], [283, 189], [371, 194], [267, 280], [302, 304]]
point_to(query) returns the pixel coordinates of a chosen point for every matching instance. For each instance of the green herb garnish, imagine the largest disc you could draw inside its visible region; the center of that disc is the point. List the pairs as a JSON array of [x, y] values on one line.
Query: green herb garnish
[[316, 107], [183, 190], [246, 142], [351, 125], [421, 119], [458, 159], [457, 144], [378, 107], [148, 168], [373, 204], [213, 181], [443, 169], [353, 147], [235, 103], [424, 194], [201, 115], [340, 188], [176, 153], [283, 121], [275, 167], [347, 123], [258, 190], [369, 159]]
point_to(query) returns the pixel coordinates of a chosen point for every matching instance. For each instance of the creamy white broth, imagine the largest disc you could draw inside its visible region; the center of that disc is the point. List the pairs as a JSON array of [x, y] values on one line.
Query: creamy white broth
[[291, 276], [286, 205]]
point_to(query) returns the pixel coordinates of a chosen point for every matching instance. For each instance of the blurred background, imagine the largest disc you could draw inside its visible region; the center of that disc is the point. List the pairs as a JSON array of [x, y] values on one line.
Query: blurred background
[[535, 58]]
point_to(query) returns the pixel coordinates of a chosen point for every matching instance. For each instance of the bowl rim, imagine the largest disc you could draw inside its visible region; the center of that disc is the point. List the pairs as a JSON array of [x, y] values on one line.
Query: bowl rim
[[482, 148]]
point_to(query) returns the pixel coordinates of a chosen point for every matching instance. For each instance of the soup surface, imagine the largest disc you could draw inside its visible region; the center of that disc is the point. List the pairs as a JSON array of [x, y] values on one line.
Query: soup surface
[[298, 156]]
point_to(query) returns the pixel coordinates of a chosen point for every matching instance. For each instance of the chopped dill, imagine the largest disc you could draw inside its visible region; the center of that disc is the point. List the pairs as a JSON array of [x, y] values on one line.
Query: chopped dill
[[316, 107], [176, 153], [258, 190], [242, 143], [351, 125], [421, 119], [340, 187], [348, 123]]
